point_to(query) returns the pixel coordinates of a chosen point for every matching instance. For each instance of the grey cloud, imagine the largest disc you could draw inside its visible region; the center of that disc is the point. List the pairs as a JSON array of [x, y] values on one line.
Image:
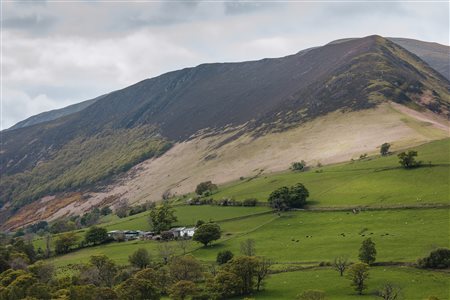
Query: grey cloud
[[245, 7], [34, 22], [85, 49]]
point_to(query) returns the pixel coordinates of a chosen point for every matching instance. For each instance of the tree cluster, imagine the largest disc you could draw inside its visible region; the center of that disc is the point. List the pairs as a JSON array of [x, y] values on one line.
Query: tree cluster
[[285, 198]]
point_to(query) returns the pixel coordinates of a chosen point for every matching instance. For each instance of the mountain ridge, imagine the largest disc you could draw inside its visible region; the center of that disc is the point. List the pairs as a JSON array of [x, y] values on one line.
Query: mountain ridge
[[252, 99]]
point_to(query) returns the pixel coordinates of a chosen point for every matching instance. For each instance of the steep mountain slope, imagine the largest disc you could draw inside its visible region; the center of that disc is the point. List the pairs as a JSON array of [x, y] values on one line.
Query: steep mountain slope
[[54, 114], [217, 107], [434, 54]]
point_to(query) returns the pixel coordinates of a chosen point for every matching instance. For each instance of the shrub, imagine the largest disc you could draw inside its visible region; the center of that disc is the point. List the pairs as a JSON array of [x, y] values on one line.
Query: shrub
[[224, 256], [438, 259], [205, 186]]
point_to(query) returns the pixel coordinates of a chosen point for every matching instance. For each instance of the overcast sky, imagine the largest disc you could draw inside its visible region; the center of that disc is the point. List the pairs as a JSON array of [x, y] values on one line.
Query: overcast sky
[[55, 53]]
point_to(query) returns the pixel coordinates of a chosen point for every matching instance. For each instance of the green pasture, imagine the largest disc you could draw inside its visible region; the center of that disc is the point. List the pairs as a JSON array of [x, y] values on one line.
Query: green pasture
[[414, 284], [376, 181], [400, 235]]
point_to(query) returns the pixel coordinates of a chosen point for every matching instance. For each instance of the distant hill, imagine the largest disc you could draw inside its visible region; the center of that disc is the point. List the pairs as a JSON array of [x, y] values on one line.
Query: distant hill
[[436, 55], [54, 114], [222, 104]]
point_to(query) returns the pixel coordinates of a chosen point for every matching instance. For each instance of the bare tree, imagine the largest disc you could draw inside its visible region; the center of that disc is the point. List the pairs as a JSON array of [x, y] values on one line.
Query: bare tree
[[122, 208], [389, 292], [340, 264], [184, 244], [262, 270], [166, 251], [248, 247]]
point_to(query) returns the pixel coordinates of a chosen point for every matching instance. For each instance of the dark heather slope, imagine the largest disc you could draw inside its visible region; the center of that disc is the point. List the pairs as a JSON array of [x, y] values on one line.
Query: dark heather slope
[[436, 55], [54, 114], [266, 95]]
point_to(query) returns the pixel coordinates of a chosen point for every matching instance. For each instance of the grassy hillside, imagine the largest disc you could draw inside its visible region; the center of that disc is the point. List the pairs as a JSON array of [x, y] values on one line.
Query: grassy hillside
[[299, 241], [415, 284], [370, 182], [400, 235]]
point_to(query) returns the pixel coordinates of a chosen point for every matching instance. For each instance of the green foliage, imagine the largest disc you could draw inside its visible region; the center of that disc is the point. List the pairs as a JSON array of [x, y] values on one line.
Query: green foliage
[[207, 233], [367, 251], [407, 159], [185, 268], [140, 258], [65, 242], [206, 186], [224, 256], [43, 271], [182, 289], [438, 259], [358, 274], [226, 284], [285, 198], [245, 268], [162, 217], [96, 235], [105, 268], [104, 155], [137, 289]]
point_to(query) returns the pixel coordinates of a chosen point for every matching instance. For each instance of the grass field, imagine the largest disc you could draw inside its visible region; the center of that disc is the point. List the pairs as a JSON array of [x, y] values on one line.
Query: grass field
[[372, 182], [400, 235], [187, 216], [308, 237], [414, 284]]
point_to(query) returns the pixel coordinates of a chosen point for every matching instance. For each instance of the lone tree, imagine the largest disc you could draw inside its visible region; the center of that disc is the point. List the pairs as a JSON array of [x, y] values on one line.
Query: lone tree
[[285, 198], [207, 233], [205, 186], [384, 149], [162, 217], [96, 235], [122, 208], [358, 273], [340, 263], [367, 252], [248, 247], [298, 166], [407, 160], [262, 271], [140, 258]]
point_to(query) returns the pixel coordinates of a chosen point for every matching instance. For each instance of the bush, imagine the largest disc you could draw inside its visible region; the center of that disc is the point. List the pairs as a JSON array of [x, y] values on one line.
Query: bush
[[438, 259], [205, 186], [224, 256], [298, 166]]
